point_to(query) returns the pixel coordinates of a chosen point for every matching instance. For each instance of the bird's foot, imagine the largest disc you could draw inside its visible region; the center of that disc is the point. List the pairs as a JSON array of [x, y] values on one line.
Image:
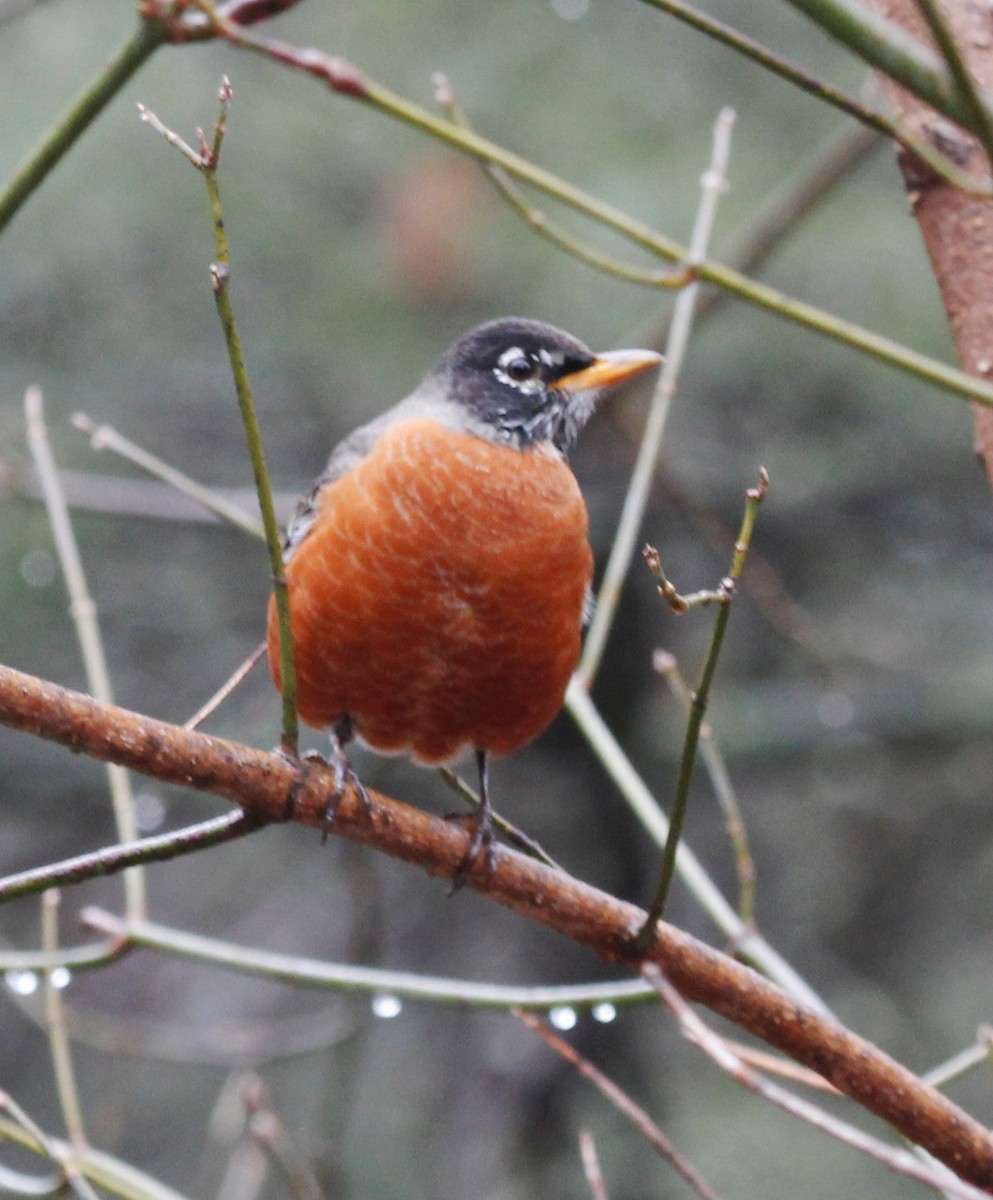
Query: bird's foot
[[344, 778], [481, 845]]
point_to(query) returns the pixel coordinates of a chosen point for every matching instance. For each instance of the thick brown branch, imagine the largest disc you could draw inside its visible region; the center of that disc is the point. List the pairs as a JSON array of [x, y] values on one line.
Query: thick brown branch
[[957, 227], [270, 787]]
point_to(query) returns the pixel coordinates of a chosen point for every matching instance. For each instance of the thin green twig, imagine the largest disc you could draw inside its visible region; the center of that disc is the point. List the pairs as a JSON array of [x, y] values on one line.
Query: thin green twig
[[292, 968], [967, 87], [701, 698], [88, 105], [84, 614], [757, 52], [750, 945], [720, 779], [539, 223], [884, 45], [206, 160]]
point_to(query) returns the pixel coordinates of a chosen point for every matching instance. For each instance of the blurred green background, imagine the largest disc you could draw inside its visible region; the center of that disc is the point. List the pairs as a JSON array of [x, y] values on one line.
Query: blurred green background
[[853, 700]]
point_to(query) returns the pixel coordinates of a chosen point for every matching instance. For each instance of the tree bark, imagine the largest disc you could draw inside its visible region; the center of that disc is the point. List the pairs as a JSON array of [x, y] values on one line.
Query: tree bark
[[957, 227]]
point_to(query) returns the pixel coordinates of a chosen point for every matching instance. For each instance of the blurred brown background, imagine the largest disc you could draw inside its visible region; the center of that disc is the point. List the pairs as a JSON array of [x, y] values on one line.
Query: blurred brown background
[[856, 722]]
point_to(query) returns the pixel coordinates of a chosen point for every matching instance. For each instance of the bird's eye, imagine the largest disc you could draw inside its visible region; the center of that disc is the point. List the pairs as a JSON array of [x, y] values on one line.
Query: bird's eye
[[520, 369]]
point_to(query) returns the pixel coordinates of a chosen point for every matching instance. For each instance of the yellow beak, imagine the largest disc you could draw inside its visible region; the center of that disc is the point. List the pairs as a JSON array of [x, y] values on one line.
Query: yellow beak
[[607, 370]]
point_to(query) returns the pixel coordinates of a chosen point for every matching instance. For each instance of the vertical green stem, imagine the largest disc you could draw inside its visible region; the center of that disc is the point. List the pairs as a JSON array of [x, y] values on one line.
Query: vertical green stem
[[698, 710], [220, 275]]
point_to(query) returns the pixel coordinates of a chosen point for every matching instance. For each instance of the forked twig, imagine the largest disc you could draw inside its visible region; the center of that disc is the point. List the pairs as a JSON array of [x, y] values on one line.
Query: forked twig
[[718, 1050], [638, 1117], [722, 597]]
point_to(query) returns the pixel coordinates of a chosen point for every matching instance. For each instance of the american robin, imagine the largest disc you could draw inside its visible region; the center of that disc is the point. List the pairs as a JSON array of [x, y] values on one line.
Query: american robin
[[439, 571]]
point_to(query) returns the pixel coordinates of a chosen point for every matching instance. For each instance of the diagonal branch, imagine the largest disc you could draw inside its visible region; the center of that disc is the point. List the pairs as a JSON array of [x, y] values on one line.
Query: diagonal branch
[[270, 788]]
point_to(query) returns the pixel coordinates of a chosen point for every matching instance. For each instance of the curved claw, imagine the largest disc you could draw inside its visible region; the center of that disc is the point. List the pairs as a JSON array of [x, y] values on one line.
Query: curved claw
[[344, 776]]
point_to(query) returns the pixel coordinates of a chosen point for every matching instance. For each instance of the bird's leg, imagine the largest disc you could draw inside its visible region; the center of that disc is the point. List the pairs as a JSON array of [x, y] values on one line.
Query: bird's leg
[[344, 773], [482, 836]]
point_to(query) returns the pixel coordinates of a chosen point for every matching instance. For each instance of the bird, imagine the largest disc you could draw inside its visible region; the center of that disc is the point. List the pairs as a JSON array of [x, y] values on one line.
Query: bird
[[439, 571]]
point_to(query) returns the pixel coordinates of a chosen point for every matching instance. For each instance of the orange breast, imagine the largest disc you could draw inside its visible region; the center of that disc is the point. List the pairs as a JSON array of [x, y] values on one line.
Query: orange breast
[[437, 599]]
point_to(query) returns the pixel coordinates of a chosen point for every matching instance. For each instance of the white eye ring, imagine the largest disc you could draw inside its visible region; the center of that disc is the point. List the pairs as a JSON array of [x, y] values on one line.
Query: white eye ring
[[518, 369]]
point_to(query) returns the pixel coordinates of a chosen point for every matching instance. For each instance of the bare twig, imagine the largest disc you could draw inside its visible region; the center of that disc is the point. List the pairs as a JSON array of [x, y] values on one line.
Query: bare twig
[[540, 224], [640, 1119], [304, 972], [61, 1051], [591, 1165], [749, 943], [83, 609], [713, 760], [717, 1049], [701, 697], [345, 79], [976, 1055], [227, 687], [108, 1172], [58, 1152], [112, 859], [105, 437], [267, 1128], [84, 110]]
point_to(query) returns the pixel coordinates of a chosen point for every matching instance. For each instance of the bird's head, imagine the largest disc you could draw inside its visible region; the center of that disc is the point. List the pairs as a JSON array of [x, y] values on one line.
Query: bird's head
[[524, 383]]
